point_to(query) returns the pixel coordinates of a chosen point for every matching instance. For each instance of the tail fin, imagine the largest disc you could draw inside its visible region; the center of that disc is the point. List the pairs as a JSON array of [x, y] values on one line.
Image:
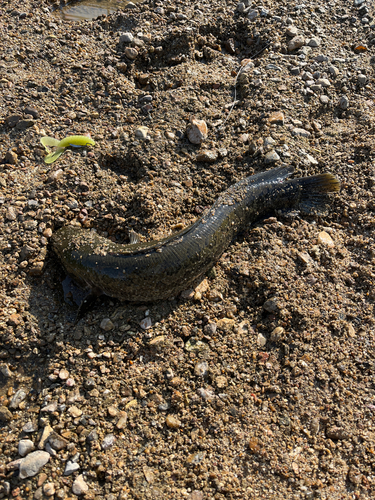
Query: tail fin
[[313, 191], [49, 141]]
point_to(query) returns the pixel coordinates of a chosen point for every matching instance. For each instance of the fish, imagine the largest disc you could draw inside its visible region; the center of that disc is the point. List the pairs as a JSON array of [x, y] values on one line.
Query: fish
[[74, 141], [152, 271]]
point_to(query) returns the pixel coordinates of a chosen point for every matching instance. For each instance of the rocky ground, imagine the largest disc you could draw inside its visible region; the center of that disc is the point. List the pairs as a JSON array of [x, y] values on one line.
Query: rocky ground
[[258, 384]]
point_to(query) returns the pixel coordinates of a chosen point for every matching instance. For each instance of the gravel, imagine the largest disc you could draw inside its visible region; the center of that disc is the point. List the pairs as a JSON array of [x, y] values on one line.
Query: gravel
[[256, 384]]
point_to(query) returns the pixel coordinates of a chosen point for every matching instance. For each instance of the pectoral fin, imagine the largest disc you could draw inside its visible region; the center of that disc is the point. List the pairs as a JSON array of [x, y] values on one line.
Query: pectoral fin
[[51, 157]]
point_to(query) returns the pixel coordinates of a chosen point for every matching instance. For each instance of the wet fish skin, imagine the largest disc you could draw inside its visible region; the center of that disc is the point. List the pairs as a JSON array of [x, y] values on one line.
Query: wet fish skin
[[147, 272]]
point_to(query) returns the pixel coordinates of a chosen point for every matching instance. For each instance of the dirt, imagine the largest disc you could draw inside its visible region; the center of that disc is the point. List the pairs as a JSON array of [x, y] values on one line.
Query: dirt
[[259, 383]]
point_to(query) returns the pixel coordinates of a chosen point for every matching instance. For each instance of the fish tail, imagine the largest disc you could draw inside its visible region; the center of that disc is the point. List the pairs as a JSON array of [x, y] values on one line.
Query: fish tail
[[51, 157], [313, 191]]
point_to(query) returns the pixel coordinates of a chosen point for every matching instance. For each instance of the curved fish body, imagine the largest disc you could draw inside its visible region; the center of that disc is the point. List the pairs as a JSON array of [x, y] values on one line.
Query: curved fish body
[[147, 272], [73, 141]]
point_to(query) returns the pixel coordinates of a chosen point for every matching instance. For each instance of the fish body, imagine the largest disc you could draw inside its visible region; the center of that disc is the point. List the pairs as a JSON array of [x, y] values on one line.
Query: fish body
[[147, 272], [75, 141]]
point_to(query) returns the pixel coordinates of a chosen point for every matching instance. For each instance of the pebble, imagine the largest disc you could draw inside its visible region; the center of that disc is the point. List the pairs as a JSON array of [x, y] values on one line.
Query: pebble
[[19, 396], [324, 99], [11, 158], [344, 102], [296, 43], [301, 132], [130, 53], [30, 427], [201, 369], [172, 422], [49, 489], [146, 323], [271, 157], [324, 82], [75, 412], [362, 79], [206, 394], [106, 324], [70, 467], [221, 382], [261, 339], [32, 463], [271, 306], [313, 42], [276, 118], [277, 334], [79, 486], [121, 423], [325, 239], [291, 31], [25, 446], [63, 374], [5, 414], [126, 37], [334, 71], [210, 329], [197, 131], [142, 132], [253, 14], [108, 441], [210, 156], [57, 442]]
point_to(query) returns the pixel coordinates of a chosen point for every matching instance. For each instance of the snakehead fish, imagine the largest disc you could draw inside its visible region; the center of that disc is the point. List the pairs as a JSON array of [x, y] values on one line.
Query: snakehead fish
[[147, 272]]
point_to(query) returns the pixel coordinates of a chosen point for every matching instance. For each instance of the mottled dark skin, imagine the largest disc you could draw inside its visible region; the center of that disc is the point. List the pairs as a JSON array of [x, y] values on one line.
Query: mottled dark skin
[[147, 272]]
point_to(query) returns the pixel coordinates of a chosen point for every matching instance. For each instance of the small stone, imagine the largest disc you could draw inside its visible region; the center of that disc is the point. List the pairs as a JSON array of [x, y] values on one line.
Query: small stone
[[18, 397], [14, 319], [253, 14], [30, 427], [334, 71], [206, 394], [291, 31], [324, 99], [344, 102], [32, 463], [121, 423], [221, 382], [108, 441], [131, 53], [75, 412], [55, 176], [49, 489], [25, 446], [277, 334], [5, 414], [126, 37], [336, 432], [146, 323], [172, 422], [11, 158], [52, 407], [41, 479], [214, 295], [276, 118], [324, 82], [31, 111], [210, 329], [362, 79], [261, 339], [271, 306], [225, 324], [313, 42], [208, 156], [296, 43], [106, 324], [325, 239], [57, 442], [70, 467], [12, 120], [24, 124], [301, 132], [63, 374], [197, 131], [271, 157], [142, 132], [36, 269], [79, 486], [201, 369], [112, 411], [47, 431]]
